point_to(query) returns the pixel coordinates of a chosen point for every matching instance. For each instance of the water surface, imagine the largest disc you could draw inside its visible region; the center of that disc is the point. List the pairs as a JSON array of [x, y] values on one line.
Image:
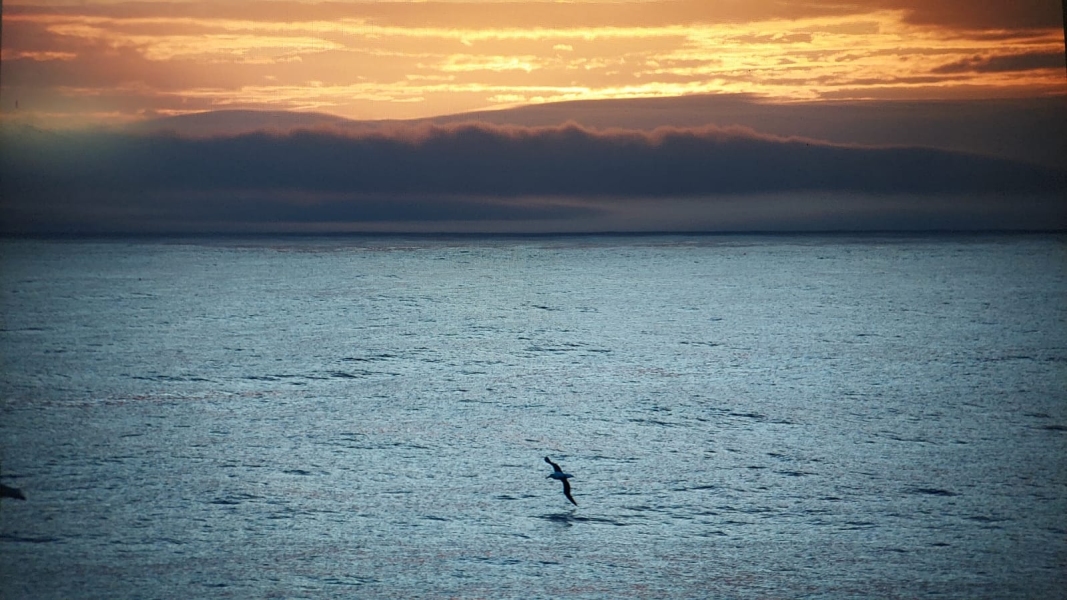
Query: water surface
[[745, 417]]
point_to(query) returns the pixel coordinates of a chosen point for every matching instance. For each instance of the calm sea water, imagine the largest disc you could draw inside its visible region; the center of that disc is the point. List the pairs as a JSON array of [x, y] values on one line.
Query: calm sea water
[[745, 417]]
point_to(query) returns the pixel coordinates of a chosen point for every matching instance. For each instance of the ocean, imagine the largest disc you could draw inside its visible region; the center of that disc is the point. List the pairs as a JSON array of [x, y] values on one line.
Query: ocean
[[745, 416]]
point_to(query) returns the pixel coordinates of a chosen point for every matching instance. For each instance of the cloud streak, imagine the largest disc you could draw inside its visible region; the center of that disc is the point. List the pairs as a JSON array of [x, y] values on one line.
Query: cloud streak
[[1011, 62], [467, 172], [118, 61]]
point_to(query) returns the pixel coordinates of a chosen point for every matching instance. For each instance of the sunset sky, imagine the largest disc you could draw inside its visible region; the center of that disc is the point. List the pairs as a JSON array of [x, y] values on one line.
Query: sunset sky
[[89, 62], [70, 64]]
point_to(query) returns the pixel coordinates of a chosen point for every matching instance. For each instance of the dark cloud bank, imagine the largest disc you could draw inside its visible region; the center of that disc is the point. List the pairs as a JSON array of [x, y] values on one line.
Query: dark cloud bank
[[479, 177]]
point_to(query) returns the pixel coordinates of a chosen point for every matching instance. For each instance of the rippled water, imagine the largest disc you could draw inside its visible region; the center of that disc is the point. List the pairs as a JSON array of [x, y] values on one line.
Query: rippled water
[[745, 417]]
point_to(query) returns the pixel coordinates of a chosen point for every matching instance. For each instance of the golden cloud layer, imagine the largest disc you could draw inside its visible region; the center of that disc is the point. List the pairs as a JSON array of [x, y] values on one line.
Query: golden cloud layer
[[76, 64]]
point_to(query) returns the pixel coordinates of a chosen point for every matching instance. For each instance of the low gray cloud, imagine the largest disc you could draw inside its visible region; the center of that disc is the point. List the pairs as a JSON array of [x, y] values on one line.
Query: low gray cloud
[[1015, 15], [468, 172], [1015, 62]]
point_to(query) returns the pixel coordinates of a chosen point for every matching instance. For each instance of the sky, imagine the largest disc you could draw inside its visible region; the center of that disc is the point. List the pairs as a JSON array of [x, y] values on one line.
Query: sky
[[503, 116]]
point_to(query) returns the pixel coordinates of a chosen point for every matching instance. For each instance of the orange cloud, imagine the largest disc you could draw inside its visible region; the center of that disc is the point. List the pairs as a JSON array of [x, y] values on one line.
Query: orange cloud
[[77, 64]]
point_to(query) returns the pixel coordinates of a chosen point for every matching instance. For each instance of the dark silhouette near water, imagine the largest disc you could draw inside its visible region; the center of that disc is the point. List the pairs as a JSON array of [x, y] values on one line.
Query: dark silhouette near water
[[557, 473], [10, 492]]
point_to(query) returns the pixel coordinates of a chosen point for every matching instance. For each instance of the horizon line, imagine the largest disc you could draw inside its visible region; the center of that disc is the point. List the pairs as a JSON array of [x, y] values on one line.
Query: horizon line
[[561, 234]]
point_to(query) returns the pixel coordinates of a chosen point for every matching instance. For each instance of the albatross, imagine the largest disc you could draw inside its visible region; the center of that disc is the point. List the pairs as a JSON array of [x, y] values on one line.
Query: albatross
[[557, 473]]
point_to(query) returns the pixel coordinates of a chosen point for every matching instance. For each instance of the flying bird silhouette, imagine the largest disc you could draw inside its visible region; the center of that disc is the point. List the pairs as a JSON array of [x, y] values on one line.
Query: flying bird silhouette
[[557, 473]]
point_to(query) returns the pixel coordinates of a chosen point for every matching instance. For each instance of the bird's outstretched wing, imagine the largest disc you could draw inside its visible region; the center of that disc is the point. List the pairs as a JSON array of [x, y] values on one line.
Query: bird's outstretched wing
[[567, 492], [555, 467]]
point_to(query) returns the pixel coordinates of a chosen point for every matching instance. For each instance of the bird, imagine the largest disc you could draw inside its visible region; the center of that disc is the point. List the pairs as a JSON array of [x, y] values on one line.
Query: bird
[[11, 492], [557, 473]]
